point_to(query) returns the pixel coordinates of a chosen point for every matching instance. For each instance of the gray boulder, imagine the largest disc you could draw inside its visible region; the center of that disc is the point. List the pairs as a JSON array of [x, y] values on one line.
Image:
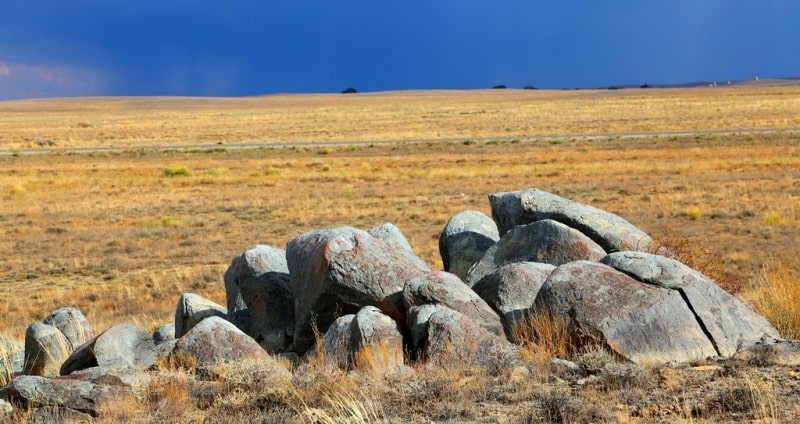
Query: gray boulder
[[336, 342], [453, 339], [511, 290], [259, 300], [417, 325], [392, 235], [121, 347], [444, 288], [544, 241], [46, 348], [192, 309], [65, 392], [729, 323], [72, 323], [164, 333], [376, 342], [640, 322], [12, 358], [215, 340], [464, 240], [769, 351], [338, 271], [610, 231]]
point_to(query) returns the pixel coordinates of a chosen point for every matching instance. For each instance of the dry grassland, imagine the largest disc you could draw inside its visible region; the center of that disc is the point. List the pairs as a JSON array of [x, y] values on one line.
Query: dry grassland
[[121, 234]]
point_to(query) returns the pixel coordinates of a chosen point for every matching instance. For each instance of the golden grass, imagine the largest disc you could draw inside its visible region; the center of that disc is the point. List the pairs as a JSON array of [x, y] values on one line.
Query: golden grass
[[776, 295]]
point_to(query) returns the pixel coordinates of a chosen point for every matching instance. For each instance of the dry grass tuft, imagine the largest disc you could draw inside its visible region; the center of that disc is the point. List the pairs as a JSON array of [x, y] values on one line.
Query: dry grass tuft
[[776, 295]]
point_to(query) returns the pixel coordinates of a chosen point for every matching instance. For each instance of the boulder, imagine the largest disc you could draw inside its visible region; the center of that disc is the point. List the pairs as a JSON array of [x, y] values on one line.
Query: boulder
[[338, 271], [728, 322], [640, 322], [120, 347], [454, 339], [46, 348], [215, 340], [511, 290], [65, 392], [417, 325], [544, 241], [72, 323], [392, 235], [610, 231], [444, 288], [12, 358], [336, 342], [192, 309], [464, 240], [259, 300], [164, 333], [376, 342], [769, 351]]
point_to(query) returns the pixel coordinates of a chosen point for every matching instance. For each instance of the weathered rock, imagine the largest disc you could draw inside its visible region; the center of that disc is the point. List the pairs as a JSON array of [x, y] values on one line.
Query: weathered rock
[[12, 358], [134, 380], [215, 340], [5, 409], [376, 342], [464, 240], [164, 333], [67, 392], [392, 235], [192, 309], [439, 287], [544, 241], [769, 351], [417, 325], [46, 348], [120, 347], [72, 323], [338, 271], [641, 322], [610, 231], [336, 342], [511, 290], [729, 323], [454, 338], [259, 300]]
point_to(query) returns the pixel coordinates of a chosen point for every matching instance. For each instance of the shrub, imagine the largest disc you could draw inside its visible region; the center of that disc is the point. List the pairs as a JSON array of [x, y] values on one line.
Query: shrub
[[776, 295], [772, 218], [349, 90], [693, 213], [178, 172], [499, 87]]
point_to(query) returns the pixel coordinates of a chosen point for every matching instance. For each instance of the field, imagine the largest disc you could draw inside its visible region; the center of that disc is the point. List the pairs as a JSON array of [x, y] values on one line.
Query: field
[[189, 183]]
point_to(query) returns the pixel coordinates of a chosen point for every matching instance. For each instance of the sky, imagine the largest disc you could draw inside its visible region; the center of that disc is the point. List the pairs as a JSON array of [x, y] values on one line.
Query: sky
[[57, 48]]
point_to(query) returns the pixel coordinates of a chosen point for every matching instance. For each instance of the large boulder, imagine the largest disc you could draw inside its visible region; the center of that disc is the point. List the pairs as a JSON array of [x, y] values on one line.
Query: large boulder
[[464, 240], [259, 300], [610, 231], [122, 346], [215, 340], [72, 323], [638, 321], [12, 358], [192, 309], [65, 392], [511, 290], [729, 323], [46, 348], [444, 288], [417, 325], [392, 235], [338, 271], [544, 241], [336, 342]]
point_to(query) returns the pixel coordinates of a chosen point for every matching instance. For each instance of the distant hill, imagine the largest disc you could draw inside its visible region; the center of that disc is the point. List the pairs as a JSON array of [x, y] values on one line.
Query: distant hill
[[768, 82]]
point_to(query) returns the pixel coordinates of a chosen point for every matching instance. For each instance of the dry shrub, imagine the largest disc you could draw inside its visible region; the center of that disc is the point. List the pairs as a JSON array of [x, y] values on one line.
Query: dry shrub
[[776, 295], [673, 244], [754, 398], [542, 337], [377, 359]]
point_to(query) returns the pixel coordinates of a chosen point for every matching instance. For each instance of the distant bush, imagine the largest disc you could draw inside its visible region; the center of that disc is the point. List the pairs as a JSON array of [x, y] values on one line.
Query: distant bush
[[499, 87], [178, 172], [349, 90], [529, 87], [644, 86]]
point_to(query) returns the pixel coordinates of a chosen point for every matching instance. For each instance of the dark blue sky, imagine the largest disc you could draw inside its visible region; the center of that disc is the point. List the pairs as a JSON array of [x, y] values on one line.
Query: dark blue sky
[[233, 48]]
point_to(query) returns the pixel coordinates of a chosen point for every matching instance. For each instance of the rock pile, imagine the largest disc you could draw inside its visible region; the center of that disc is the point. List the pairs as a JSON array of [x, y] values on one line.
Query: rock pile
[[363, 298]]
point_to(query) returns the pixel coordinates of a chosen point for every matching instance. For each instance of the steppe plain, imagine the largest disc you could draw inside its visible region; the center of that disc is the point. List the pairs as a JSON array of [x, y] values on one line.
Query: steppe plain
[[118, 205]]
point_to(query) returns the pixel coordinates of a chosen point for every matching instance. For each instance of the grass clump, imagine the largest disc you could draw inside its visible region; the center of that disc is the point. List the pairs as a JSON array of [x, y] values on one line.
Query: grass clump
[[772, 218], [776, 295], [176, 172], [694, 213]]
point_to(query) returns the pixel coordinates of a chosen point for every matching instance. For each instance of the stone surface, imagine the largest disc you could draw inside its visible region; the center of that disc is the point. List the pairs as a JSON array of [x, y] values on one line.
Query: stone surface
[[729, 323], [638, 321], [544, 241], [72, 323], [444, 288], [769, 351], [192, 309], [392, 235], [12, 357], [338, 271], [336, 342], [46, 348], [215, 340], [376, 341], [164, 333], [75, 394], [610, 231], [464, 240], [417, 325], [120, 347], [259, 300], [511, 290]]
